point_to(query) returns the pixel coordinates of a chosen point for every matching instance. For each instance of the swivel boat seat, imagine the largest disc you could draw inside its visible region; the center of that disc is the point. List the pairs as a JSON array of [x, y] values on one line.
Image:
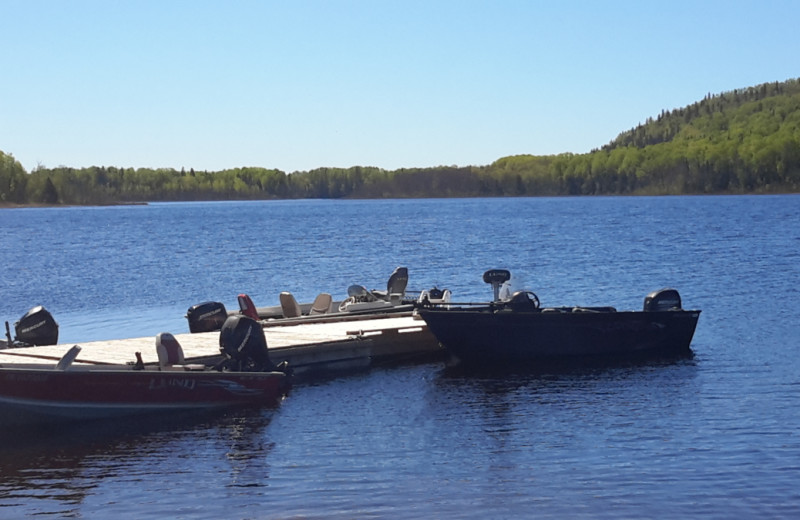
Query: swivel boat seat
[[247, 307], [289, 306], [170, 354], [322, 304], [396, 286], [66, 360]]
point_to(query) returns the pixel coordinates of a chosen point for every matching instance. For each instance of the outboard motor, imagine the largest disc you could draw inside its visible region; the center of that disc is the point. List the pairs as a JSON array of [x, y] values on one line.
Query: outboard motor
[[242, 342], [360, 294], [662, 300], [37, 327], [206, 316], [496, 277]]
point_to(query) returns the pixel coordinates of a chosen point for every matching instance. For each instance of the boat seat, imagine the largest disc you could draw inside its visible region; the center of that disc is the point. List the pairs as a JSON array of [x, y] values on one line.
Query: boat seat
[[67, 359], [170, 354], [247, 307], [398, 281], [289, 306], [322, 304]]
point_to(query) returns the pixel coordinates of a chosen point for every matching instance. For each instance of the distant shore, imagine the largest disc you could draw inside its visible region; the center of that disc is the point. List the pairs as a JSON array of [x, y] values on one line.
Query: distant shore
[[13, 205]]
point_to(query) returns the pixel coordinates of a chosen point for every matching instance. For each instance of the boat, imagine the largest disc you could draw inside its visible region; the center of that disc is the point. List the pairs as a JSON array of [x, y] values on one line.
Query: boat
[[517, 330], [74, 391], [360, 302]]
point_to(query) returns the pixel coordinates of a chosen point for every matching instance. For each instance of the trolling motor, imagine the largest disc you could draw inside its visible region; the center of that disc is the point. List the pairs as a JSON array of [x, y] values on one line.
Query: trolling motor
[[36, 328], [496, 277]]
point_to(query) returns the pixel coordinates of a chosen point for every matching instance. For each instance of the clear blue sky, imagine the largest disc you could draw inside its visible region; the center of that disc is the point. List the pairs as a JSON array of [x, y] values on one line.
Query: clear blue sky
[[297, 85]]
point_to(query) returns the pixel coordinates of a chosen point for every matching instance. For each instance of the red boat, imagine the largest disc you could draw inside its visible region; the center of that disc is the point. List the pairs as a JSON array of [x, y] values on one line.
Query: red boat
[[35, 393]]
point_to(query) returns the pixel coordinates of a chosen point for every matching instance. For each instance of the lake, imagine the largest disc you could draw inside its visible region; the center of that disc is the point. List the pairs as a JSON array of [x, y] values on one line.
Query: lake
[[716, 436]]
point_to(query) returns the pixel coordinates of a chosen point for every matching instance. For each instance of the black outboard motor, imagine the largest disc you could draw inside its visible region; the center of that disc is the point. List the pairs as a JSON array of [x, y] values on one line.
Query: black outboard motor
[[242, 342], [206, 316], [662, 300], [496, 277], [36, 327]]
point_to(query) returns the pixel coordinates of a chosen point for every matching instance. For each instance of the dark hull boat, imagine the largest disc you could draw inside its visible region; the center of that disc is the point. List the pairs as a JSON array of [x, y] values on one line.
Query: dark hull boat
[[518, 330]]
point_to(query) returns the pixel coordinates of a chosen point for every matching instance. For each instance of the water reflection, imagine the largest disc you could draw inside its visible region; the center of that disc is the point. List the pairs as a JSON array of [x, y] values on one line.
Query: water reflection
[[538, 409], [249, 450], [55, 470], [610, 385]]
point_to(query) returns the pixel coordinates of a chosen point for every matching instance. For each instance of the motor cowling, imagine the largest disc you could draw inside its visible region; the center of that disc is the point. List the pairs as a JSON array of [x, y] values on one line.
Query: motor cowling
[[37, 327], [662, 300], [242, 342], [206, 316]]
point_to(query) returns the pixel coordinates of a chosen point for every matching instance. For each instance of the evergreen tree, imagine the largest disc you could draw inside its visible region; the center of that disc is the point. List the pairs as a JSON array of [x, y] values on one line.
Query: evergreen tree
[[49, 193]]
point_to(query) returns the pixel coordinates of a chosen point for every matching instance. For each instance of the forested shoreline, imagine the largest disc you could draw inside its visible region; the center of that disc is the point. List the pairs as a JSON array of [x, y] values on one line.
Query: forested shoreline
[[741, 141]]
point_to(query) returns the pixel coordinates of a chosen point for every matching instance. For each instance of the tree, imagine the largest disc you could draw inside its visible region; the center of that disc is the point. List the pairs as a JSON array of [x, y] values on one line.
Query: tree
[[49, 193], [13, 180]]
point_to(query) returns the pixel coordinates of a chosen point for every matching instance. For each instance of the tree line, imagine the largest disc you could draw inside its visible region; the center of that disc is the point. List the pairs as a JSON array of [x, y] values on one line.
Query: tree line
[[742, 141]]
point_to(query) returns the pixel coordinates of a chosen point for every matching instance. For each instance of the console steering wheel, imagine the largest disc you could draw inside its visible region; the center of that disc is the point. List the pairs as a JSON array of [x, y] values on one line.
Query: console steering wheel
[[533, 298]]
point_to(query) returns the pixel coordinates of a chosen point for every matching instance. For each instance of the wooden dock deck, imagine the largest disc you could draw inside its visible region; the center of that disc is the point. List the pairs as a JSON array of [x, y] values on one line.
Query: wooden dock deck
[[321, 346]]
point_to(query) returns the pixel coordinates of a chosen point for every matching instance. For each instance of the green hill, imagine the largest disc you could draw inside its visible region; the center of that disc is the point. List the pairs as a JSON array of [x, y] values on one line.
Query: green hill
[[742, 141]]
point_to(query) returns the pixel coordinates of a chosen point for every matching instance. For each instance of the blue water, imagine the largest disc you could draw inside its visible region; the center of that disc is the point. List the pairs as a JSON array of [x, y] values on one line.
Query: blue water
[[717, 436]]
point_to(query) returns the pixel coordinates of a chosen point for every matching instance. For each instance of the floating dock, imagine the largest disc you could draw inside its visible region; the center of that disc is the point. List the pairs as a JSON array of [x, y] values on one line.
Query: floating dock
[[309, 346]]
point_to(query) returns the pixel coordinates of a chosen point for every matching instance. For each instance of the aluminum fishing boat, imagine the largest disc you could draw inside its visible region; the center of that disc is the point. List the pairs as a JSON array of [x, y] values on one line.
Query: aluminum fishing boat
[[518, 330], [72, 390]]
